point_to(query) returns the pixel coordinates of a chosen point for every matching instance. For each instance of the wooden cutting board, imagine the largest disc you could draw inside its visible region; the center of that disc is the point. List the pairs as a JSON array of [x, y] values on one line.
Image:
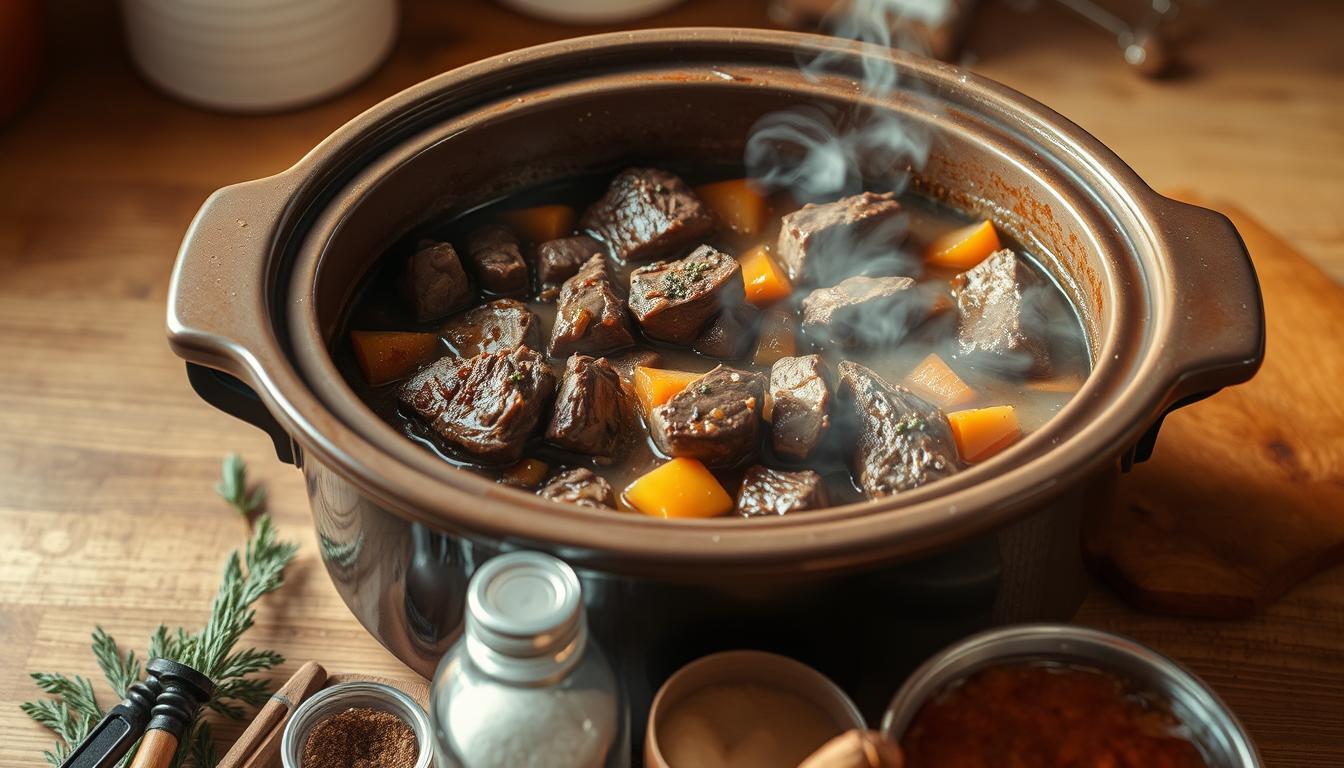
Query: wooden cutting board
[[1244, 494]]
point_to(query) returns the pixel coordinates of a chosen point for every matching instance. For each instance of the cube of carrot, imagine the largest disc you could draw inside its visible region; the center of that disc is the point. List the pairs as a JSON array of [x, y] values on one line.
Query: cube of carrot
[[540, 223], [737, 203], [385, 356], [936, 382], [765, 282], [982, 432], [655, 386], [681, 488], [963, 248]]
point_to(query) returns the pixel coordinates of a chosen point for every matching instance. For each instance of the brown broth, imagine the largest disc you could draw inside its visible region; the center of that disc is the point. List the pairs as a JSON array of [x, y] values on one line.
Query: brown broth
[[1047, 716], [379, 307]]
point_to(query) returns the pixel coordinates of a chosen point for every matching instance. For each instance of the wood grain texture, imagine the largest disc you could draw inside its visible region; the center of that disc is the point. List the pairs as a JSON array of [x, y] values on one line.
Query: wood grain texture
[[155, 751], [1244, 495], [107, 458], [411, 685]]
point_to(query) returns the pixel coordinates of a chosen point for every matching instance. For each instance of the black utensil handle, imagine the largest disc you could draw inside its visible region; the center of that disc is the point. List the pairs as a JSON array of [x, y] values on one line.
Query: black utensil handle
[[106, 743], [114, 735], [183, 691], [230, 395]]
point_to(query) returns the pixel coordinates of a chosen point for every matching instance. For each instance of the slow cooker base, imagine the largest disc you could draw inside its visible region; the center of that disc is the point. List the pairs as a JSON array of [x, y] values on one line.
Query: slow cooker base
[[866, 630]]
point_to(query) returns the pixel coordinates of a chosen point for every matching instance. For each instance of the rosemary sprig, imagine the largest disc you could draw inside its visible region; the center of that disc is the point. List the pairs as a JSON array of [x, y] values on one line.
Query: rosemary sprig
[[72, 708], [119, 670], [232, 486]]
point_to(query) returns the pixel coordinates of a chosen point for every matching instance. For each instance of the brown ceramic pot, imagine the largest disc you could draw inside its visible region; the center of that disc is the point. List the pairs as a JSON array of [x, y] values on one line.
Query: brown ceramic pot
[[1166, 292]]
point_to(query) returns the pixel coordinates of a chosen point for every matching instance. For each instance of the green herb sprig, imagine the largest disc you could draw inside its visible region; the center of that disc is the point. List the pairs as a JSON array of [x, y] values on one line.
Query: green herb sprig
[[911, 423], [72, 708], [232, 487]]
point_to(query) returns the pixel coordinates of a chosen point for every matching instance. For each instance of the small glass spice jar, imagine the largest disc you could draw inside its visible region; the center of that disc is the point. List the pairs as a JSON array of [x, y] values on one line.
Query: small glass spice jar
[[355, 695]]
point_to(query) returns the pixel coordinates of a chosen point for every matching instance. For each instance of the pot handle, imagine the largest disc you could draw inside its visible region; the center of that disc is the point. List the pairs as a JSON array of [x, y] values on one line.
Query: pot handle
[[235, 398], [1220, 315], [217, 304]]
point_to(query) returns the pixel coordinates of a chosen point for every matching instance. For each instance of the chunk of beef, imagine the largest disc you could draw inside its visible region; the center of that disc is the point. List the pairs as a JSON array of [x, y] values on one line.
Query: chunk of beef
[[674, 300], [581, 487], [731, 335], [497, 261], [486, 406], [435, 283], [767, 491], [801, 403], [497, 326], [903, 441], [559, 260], [865, 311], [591, 411], [647, 212], [716, 419], [589, 316], [1001, 323], [816, 239]]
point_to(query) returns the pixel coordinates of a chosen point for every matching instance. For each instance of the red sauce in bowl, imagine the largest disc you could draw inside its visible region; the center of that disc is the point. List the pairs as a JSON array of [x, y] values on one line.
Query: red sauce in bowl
[[1037, 716]]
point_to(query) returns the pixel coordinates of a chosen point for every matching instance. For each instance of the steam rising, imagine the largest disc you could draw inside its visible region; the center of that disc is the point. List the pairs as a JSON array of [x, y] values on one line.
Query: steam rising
[[820, 154], [823, 153]]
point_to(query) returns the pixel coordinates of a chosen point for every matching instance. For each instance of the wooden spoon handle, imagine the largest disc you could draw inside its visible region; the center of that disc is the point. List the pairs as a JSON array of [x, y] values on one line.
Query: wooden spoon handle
[[156, 750], [856, 749]]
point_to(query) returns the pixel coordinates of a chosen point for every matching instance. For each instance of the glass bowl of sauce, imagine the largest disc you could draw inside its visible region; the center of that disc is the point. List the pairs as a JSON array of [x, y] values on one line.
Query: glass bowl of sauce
[[1049, 696]]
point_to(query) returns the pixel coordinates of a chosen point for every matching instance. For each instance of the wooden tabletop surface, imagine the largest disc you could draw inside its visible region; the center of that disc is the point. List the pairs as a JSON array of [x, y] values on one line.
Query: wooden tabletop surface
[[107, 458]]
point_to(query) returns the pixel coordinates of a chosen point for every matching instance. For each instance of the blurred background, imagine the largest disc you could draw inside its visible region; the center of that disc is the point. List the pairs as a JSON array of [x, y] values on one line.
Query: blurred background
[[125, 115]]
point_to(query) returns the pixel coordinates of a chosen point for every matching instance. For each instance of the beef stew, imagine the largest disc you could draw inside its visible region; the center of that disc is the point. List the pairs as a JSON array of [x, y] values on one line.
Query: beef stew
[[821, 356]]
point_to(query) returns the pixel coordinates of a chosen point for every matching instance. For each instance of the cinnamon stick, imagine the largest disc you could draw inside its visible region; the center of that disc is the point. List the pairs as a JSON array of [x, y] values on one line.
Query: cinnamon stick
[[260, 743]]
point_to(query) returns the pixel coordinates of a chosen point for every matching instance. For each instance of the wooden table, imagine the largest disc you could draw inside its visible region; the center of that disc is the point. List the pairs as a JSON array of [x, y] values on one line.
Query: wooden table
[[107, 458]]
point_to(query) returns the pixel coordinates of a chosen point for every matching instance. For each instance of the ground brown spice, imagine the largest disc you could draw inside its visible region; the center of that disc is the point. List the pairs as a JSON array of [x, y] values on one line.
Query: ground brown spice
[[361, 738]]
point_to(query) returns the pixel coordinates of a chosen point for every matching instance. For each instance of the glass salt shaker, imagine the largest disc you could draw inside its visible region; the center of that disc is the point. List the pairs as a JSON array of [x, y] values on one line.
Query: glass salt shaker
[[526, 685]]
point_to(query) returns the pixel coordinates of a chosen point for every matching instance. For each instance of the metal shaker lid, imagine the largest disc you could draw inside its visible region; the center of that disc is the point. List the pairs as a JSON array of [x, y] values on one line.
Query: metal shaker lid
[[524, 608]]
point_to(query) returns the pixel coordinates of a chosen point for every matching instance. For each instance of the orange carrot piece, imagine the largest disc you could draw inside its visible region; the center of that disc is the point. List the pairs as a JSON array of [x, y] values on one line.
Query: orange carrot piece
[[936, 382], [655, 386], [737, 203], [778, 337], [540, 223], [983, 432], [963, 248], [766, 283], [680, 488], [385, 356]]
